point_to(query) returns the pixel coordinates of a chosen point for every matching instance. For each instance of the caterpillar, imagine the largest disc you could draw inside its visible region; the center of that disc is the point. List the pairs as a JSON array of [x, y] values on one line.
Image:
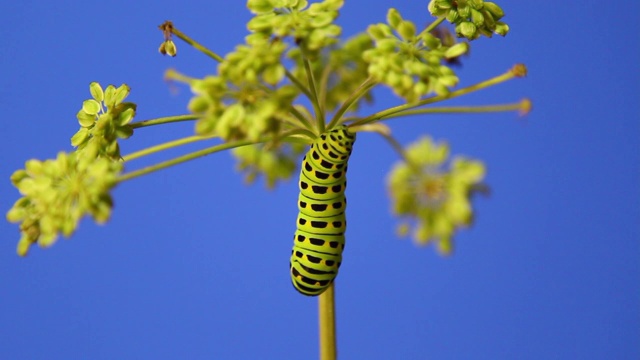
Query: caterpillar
[[319, 238]]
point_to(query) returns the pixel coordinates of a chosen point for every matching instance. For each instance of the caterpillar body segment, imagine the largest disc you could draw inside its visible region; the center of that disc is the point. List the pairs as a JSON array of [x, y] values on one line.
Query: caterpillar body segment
[[321, 224]]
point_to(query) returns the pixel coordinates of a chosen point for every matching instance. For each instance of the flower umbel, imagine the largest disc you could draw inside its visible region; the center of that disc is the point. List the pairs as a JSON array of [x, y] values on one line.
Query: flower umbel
[[472, 18], [57, 193], [253, 110], [274, 164], [103, 120], [408, 62], [311, 27], [436, 199]]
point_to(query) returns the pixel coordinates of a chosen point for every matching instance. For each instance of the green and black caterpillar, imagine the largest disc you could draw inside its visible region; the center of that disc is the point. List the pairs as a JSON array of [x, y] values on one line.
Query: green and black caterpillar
[[319, 238]]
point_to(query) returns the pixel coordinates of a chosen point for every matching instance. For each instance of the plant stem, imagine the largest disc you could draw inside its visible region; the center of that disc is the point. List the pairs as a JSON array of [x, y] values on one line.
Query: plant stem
[[184, 158], [165, 146], [314, 95], [164, 120], [516, 71], [463, 109], [327, 322], [302, 118], [324, 86], [397, 147], [432, 26], [297, 83], [196, 45], [172, 74], [355, 96]]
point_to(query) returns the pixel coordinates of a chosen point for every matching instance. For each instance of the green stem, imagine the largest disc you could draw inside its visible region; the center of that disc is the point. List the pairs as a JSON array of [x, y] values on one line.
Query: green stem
[[185, 158], [164, 146], [355, 96], [314, 95], [463, 109], [432, 26], [164, 120], [482, 85], [196, 45], [297, 134], [327, 322], [172, 74], [395, 145], [297, 83], [400, 150], [303, 119], [324, 86]]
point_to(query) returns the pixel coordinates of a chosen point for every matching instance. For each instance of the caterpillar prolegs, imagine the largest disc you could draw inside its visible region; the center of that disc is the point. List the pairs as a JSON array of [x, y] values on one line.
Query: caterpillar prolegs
[[319, 238]]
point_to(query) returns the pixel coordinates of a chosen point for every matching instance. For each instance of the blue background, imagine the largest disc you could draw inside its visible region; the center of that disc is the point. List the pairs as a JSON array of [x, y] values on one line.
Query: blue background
[[193, 264]]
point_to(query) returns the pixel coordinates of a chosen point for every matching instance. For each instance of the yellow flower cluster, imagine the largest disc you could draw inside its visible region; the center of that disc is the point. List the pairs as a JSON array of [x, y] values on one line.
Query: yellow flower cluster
[[433, 198]]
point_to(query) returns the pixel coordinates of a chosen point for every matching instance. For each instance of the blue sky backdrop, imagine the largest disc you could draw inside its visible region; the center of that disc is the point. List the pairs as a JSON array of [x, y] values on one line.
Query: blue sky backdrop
[[194, 263]]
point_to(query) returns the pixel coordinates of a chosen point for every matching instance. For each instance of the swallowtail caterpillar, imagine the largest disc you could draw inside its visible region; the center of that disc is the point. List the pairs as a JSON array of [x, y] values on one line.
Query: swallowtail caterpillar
[[319, 238]]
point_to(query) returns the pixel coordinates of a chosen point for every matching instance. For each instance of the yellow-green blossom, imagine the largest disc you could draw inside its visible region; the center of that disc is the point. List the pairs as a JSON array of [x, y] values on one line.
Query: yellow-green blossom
[[57, 193], [103, 120], [432, 197], [311, 27], [273, 164], [409, 62], [471, 18]]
